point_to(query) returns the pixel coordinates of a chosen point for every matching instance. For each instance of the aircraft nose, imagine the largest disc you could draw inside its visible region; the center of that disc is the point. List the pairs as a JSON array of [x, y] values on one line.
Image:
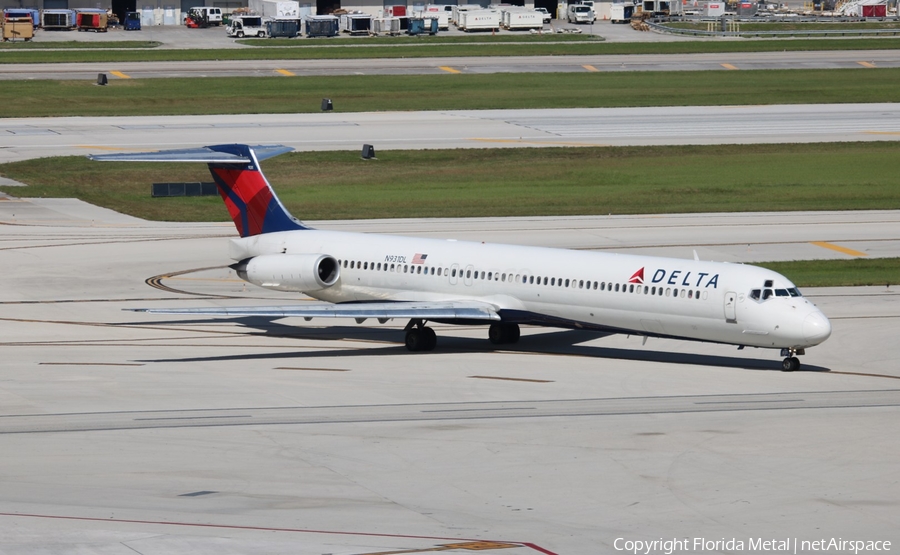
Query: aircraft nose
[[816, 328]]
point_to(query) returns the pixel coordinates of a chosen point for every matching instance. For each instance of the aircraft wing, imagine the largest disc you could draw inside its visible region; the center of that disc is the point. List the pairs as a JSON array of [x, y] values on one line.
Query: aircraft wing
[[219, 154], [424, 310]]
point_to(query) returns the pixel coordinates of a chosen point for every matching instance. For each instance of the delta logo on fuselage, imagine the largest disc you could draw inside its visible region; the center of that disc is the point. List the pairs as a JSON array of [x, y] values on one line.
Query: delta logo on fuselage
[[678, 278]]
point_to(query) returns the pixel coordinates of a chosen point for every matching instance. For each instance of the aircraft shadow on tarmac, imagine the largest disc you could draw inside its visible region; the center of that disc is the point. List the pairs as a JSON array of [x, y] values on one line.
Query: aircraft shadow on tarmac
[[560, 342]]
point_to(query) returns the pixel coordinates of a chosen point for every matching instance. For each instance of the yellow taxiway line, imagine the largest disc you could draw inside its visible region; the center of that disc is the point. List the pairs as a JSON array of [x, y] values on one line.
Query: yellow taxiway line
[[838, 248], [728, 66], [286, 73], [120, 75], [449, 69], [866, 64]]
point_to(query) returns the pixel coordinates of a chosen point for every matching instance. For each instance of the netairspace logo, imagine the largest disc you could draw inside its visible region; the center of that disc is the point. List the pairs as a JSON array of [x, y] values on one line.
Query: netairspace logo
[[762, 545]]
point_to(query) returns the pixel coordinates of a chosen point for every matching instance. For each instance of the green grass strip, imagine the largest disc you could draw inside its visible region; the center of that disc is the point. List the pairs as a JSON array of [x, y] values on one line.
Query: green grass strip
[[506, 182], [840, 273], [76, 45], [418, 49], [354, 93]]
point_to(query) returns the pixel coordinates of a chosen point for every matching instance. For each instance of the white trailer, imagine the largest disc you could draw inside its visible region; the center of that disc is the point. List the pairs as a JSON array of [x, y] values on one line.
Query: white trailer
[[714, 9], [620, 12], [456, 10], [478, 20], [276, 9], [523, 19], [439, 12]]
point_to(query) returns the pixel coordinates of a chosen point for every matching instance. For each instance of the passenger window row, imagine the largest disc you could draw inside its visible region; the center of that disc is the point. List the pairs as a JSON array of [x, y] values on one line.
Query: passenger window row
[[532, 280]]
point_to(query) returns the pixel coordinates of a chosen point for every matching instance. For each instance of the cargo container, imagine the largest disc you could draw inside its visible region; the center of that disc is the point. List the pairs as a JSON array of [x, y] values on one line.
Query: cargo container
[[456, 10], [282, 28], [58, 19], [478, 20], [90, 19], [322, 26], [276, 9], [386, 25], [438, 11], [746, 9], [714, 9], [18, 28], [621, 13], [19, 13], [356, 23], [522, 19], [422, 26]]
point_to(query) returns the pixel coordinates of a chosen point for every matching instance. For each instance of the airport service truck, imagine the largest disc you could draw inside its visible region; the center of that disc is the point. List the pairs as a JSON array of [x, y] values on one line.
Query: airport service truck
[[246, 26]]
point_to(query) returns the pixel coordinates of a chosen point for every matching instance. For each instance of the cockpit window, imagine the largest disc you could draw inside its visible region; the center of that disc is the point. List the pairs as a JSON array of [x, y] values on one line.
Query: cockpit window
[[755, 294], [781, 293], [794, 292], [767, 293]]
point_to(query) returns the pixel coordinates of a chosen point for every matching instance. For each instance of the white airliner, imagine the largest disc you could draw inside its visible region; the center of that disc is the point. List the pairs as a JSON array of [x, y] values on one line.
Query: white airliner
[[503, 286]]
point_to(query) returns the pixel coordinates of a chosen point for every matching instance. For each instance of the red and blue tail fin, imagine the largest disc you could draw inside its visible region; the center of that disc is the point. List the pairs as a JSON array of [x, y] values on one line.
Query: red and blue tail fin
[[249, 197]]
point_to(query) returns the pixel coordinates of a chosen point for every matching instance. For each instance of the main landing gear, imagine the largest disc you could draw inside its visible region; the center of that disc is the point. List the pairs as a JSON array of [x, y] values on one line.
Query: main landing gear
[[791, 362], [419, 337]]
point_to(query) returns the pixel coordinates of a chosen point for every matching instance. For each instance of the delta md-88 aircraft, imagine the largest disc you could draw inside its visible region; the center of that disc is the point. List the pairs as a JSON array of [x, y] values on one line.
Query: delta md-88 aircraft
[[382, 277]]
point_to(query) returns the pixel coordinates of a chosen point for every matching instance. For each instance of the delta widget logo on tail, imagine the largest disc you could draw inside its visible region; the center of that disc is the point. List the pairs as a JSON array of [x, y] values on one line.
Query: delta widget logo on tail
[[678, 278]]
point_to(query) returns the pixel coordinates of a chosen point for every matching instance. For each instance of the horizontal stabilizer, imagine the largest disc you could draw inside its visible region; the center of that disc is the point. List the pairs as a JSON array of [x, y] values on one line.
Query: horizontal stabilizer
[[447, 310], [218, 154]]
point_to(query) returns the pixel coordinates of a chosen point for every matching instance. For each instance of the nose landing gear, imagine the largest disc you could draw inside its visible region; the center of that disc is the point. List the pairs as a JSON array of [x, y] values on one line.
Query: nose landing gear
[[791, 363]]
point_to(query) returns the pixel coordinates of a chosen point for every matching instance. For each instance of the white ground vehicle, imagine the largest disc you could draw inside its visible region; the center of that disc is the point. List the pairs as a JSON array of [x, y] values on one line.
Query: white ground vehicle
[[546, 15], [580, 13], [276, 9], [213, 15], [246, 26]]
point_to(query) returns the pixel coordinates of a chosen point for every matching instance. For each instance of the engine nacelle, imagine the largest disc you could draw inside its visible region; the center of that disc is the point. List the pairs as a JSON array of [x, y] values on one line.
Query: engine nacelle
[[290, 272]]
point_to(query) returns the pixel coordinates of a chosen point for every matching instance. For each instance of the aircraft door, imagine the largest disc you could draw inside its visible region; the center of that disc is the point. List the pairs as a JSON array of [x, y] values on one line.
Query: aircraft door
[[731, 307]]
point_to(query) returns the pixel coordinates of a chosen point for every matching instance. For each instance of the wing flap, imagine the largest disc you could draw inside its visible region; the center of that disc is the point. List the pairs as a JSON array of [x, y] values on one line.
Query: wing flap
[[452, 310]]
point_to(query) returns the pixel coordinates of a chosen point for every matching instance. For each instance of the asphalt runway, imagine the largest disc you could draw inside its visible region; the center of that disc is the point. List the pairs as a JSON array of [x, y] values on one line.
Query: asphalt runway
[[24, 138], [132, 433]]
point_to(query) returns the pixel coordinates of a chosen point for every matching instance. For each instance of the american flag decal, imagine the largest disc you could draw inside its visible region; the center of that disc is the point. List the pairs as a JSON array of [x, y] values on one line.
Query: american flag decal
[[419, 258]]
